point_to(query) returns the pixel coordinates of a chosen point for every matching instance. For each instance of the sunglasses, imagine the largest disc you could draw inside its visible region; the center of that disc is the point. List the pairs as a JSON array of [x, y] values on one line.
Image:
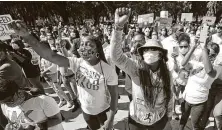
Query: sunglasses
[[183, 46]]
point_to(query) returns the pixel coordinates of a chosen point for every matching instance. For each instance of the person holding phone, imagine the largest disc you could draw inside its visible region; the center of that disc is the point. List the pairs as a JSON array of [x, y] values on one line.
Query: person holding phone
[[198, 84], [181, 73]]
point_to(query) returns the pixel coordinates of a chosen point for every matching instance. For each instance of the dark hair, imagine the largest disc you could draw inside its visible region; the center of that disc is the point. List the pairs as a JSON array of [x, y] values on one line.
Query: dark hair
[[98, 47], [20, 44], [7, 88], [165, 30], [184, 37], [68, 45], [215, 47], [148, 87]]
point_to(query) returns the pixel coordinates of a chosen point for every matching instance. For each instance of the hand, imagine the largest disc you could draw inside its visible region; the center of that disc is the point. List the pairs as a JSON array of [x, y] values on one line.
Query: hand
[[43, 74], [197, 42], [174, 55], [19, 27], [108, 125], [122, 16]]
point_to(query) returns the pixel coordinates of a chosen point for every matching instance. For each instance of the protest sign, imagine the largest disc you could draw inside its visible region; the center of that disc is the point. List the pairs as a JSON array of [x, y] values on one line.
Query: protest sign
[[164, 14], [164, 22], [5, 32], [209, 20], [187, 17], [146, 18]]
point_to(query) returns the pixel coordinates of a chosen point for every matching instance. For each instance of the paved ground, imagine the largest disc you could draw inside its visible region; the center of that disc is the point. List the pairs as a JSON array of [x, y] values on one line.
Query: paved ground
[[75, 121]]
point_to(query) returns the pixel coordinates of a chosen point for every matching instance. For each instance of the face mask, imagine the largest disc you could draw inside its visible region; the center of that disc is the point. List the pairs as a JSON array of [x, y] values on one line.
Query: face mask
[[151, 57], [184, 50], [17, 99]]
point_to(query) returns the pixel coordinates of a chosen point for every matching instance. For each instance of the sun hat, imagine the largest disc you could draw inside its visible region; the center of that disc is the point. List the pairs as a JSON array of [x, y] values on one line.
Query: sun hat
[[156, 44]]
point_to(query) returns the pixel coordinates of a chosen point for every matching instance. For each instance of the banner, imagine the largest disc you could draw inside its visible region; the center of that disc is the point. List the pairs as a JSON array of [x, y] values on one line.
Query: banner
[[187, 17], [146, 18], [164, 14], [209, 20], [5, 32]]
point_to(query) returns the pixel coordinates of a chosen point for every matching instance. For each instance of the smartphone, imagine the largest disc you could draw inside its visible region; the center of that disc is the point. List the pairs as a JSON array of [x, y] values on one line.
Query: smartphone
[[176, 50], [203, 34]]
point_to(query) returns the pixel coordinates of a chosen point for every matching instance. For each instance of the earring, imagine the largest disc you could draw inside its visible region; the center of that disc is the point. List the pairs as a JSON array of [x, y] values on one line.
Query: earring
[[97, 55]]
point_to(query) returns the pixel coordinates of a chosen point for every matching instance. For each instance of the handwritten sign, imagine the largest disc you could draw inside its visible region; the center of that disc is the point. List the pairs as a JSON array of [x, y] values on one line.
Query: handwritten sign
[[209, 20], [5, 32], [164, 14], [187, 17], [146, 18]]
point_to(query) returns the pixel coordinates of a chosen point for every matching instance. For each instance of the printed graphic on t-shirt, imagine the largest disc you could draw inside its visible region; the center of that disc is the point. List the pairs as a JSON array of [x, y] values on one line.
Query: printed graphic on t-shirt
[[147, 115], [87, 79], [199, 72], [19, 119]]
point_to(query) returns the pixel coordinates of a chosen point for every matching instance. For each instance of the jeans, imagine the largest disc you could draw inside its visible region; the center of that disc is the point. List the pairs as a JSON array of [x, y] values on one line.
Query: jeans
[[162, 124], [214, 102], [196, 111]]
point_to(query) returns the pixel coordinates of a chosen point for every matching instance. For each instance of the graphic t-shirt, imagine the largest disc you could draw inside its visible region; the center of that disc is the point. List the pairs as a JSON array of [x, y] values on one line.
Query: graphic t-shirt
[[199, 83], [33, 111], [92, 84]]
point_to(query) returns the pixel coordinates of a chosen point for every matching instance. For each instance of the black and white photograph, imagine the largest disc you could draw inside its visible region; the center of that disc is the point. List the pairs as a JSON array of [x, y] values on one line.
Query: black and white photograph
[[111, 65]]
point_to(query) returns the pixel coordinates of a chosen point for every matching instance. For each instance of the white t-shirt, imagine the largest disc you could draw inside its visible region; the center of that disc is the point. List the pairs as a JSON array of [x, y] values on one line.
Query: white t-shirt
[[199, 83], [107, 53], [45, 64], [169, 43], [93, 93], [33, 111]]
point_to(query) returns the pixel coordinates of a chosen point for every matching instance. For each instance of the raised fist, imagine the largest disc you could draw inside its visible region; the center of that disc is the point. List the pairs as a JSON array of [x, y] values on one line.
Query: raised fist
[[19, 27], [122, 16]]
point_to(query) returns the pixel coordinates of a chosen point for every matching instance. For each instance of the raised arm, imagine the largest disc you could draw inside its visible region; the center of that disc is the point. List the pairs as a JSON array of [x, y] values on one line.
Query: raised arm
[[189, 54], [45, 52], [117, 56], [207, 63]]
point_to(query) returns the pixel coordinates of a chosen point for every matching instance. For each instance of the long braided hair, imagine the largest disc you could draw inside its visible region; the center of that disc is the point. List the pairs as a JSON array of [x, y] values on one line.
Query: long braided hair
[[145, 79]]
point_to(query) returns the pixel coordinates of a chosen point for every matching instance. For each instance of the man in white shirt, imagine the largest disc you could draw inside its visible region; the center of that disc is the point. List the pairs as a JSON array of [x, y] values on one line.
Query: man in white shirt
[[170, 42]]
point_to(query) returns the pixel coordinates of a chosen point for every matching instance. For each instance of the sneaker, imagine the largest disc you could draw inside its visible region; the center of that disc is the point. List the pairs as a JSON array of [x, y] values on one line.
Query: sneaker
[[69, 104], [62, 103], [175, 117], [76, 105]]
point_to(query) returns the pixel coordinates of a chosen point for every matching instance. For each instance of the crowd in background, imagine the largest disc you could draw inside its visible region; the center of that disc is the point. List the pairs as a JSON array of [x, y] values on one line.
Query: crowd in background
[[187, 70]]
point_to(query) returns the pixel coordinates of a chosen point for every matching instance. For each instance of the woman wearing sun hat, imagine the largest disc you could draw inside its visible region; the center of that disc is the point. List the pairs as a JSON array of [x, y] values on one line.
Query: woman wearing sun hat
[[151, 81]]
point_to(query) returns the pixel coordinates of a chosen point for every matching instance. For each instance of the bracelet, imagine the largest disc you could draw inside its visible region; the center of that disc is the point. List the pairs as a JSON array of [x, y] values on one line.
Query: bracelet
[[118, 28]]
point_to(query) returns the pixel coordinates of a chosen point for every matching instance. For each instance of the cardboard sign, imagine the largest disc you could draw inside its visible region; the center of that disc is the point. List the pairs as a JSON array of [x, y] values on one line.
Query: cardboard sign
[[165, 22], [187, 17], [5, 32], [146, 18], [209, 20], [164, 14]]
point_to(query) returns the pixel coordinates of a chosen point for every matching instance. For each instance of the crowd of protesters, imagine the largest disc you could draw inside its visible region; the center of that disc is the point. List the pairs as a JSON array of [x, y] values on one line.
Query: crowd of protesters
[[170, 74]]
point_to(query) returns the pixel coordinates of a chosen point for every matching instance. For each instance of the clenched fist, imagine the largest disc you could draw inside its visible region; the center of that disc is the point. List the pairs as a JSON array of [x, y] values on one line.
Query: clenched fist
[[122, 16]]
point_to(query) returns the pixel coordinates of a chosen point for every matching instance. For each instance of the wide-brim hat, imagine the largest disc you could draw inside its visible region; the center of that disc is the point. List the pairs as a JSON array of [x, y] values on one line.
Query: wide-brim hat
[[155, 44]]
